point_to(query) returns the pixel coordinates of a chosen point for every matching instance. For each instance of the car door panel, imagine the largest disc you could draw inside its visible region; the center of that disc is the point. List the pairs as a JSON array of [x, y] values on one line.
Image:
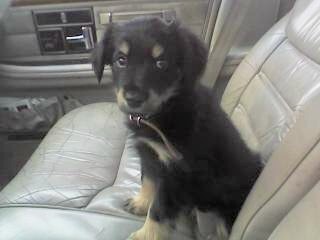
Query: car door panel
[[26, 69]]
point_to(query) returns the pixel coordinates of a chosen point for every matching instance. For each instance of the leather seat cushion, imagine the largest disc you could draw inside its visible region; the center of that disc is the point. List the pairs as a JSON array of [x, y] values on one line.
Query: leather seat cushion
[[83, 155], [84, 167], [32, 223]]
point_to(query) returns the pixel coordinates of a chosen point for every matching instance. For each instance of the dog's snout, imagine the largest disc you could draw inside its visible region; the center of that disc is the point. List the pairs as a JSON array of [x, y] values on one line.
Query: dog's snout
[[134, 97]]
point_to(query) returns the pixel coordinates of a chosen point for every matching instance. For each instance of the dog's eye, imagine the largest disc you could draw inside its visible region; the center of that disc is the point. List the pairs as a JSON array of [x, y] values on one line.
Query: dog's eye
[[162, 64], [122, 62]]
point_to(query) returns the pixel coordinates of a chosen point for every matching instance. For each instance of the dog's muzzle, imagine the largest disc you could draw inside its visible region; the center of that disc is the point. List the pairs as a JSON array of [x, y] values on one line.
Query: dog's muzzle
[[135, 98]]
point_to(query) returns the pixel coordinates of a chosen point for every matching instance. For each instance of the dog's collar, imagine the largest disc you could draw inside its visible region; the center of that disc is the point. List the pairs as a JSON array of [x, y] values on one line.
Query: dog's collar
[[139, 120], [136, 119]]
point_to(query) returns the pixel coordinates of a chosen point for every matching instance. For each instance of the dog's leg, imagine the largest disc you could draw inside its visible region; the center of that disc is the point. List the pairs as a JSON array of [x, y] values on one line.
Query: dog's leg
[[218, 229], [162, 213], [140, 204]]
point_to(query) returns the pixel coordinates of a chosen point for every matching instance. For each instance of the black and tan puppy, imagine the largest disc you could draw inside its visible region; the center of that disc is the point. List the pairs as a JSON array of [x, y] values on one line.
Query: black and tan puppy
[[156, 67]]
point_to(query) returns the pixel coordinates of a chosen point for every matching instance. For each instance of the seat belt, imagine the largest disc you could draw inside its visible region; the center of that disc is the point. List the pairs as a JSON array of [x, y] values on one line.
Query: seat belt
[[231, 15]]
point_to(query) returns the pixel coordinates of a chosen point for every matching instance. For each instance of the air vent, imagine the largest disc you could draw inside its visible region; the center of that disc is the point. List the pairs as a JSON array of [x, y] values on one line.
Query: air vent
[[63, 17], [82, 16], [48, 18]]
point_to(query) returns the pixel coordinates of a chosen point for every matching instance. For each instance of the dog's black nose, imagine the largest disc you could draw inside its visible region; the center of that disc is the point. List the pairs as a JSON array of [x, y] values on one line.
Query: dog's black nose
[[135, 98]]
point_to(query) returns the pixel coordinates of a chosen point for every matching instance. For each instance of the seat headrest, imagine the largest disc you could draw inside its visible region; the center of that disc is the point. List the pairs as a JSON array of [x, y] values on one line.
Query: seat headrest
[[303, 29]]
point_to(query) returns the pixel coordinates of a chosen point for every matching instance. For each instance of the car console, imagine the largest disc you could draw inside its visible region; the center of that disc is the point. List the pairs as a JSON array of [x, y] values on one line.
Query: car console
[[65, 31]]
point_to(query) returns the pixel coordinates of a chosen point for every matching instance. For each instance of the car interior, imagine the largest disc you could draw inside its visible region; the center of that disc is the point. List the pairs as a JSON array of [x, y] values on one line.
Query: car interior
[[67, 164]]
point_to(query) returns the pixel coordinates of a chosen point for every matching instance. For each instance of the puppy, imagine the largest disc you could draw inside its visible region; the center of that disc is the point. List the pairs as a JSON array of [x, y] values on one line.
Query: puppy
[[156, 66]]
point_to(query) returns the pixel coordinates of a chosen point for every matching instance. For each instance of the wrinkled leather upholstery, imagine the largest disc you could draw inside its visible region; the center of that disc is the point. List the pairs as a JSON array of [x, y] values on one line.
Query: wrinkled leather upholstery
[[254, 79], [32, 223], [83, 171], [273, 99], [78, 158], [85, 163]]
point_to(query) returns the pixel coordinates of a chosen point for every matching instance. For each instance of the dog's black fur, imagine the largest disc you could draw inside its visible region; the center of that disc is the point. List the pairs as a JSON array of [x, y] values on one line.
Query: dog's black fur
[[217, 170]]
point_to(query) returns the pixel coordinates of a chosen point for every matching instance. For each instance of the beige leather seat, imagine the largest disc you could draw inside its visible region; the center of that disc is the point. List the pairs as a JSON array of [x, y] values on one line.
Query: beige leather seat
[[74, 185]]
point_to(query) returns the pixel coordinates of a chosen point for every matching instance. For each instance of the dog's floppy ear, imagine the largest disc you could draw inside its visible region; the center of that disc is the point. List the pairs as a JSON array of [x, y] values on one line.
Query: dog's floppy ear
[[194, 55], [102, 53]]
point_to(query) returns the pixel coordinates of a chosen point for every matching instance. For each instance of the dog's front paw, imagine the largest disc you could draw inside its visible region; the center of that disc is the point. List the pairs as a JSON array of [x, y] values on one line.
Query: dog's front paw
[[137, 205], [152, 230], [134, 236], [142, 235]]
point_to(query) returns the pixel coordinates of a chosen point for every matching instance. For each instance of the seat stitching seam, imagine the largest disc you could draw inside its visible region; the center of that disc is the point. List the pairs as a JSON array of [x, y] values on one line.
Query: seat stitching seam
[[124, 146], [257, 71], [53, 207], [304, 54], [244, 110], [279, 187], [269, 83], [94, 195]]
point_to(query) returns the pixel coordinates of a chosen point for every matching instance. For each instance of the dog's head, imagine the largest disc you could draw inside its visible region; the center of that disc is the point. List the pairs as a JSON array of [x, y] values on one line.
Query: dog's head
[[151, 61]]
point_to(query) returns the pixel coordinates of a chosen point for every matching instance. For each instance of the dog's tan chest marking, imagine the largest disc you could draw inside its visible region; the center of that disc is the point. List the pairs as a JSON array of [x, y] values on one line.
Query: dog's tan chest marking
[[157, 51], [159, 148], [124, 47], [120, 96]]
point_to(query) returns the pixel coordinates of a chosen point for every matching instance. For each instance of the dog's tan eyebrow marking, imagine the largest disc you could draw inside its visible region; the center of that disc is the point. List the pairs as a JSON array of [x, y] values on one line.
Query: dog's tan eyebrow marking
[[157, 50], [124, 47]]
